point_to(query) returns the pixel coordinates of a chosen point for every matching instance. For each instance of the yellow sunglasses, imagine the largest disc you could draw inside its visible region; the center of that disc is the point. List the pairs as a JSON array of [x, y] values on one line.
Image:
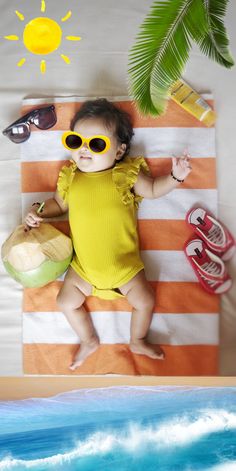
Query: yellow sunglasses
[[96, 144]]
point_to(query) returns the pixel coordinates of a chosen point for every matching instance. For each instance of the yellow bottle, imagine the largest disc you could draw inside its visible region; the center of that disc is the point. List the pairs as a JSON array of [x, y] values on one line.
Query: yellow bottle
[[192, 102]]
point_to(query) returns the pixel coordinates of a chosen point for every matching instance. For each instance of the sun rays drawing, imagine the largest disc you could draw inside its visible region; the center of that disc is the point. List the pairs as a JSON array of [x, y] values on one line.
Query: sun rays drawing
[[42, 36]]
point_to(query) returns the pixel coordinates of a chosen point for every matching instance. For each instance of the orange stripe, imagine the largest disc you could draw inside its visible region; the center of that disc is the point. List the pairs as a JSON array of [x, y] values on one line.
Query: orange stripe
[[174, 116], [154, 234], [202, 176], [157, 234], [194, 360], [40, 176], [172, 297]]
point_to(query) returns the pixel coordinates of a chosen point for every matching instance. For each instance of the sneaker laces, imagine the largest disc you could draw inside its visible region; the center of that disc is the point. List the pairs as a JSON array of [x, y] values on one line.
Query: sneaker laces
[[216, 233], [212, 268], [216, 236]]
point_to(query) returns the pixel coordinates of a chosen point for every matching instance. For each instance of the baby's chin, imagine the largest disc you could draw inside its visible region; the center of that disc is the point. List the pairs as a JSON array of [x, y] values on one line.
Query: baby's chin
[[87, 164]]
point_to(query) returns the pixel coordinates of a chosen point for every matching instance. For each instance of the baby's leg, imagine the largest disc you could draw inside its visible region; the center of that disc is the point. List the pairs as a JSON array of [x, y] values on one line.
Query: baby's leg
[[70, 300], [140, 295]]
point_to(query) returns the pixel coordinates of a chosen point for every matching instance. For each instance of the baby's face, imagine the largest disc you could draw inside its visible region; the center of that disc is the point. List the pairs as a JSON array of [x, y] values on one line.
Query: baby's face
[[88, 161]]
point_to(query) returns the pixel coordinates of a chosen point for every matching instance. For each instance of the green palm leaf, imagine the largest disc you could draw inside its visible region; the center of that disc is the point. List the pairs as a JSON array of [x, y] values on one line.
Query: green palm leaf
[[162, 49], [215, 43]]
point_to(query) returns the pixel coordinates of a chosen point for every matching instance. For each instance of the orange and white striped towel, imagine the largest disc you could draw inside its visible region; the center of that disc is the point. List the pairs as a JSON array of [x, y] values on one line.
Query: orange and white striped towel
[[185, 320]]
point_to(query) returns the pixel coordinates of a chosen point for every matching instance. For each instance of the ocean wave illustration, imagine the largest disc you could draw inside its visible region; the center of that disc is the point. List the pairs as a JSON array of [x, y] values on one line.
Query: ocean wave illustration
[[179, 431]]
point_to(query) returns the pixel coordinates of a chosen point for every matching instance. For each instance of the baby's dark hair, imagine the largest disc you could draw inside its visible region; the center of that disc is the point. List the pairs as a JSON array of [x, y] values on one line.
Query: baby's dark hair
[[111, 115]]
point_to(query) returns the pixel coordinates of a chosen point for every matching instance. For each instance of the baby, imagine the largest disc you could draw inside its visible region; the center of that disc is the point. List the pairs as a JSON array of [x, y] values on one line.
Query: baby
[[101, 190]]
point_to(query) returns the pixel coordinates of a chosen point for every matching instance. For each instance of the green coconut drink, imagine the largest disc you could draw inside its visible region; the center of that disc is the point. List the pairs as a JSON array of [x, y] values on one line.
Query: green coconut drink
[[36, 257]]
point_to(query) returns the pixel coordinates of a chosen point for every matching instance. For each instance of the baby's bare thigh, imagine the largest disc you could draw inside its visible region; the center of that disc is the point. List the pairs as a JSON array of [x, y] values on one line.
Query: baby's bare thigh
[[73, 278], [137, 287], [138, 292]]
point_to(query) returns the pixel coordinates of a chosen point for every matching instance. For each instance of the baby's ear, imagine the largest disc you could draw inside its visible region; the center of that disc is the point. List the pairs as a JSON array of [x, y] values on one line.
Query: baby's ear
[[120, 151]]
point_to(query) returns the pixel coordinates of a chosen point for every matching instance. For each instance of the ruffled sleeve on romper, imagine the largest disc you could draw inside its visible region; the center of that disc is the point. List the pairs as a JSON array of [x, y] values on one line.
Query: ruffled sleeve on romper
[[65, 179], [125, 175]]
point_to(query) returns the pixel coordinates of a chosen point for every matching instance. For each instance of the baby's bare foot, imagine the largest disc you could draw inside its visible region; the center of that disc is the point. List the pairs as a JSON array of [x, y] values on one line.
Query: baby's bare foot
[[86, 349], [142, 347]]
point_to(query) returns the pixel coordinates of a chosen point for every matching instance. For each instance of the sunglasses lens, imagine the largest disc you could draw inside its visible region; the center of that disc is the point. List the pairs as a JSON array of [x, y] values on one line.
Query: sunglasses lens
[[73, 141], [45, 118], [18, 133], [97, 144]]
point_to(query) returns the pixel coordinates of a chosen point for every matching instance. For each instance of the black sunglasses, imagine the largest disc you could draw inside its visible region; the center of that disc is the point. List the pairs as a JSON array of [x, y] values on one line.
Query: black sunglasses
[[42, 118]]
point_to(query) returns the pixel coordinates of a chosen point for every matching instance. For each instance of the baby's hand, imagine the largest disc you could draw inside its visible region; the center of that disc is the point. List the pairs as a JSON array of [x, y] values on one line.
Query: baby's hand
[[181, 166], [32, 219]]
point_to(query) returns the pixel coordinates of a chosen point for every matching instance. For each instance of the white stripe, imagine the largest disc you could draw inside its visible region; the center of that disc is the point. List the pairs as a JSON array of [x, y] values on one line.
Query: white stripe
[[167, 265], [78, 99], [114, 327], [171, 141], [43, 146], [174, 205], [150, 142], [177, 203]]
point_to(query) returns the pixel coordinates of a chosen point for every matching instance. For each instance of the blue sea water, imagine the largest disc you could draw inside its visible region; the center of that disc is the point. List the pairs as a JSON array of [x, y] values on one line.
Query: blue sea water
[[121, 428]]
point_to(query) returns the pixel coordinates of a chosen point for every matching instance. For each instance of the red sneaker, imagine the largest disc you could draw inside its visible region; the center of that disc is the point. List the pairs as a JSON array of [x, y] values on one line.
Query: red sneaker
[[208, 267], [212, 232]]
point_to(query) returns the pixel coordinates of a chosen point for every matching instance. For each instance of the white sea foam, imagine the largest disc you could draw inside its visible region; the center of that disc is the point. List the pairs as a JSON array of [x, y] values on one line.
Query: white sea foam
[[176, 432], [226, 466]]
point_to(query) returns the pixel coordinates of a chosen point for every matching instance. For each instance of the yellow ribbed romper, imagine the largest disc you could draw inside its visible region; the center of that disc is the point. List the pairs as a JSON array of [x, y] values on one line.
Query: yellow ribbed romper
[[103, 225]]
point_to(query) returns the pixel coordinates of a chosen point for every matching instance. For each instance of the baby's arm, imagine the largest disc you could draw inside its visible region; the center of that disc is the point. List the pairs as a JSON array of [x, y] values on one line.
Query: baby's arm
[[151, 188], [52, 207]]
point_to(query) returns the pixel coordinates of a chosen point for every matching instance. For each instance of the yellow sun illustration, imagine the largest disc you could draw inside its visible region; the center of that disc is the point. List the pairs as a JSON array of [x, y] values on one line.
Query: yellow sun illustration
[[42, 36]]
